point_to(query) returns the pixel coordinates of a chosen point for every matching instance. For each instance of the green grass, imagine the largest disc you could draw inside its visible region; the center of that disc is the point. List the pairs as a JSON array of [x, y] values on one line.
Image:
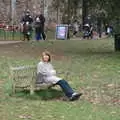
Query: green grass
[[9, 35], [94, 70]]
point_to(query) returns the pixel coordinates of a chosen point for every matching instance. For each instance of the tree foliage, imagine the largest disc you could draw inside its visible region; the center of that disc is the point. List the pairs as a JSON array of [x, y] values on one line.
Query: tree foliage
[[68, 8], [110, 8], [107, 9]]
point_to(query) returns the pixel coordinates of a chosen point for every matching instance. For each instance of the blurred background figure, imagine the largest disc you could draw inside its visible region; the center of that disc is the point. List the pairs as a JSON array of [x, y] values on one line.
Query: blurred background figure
[[26, 24], [39, 27], [75, 28]]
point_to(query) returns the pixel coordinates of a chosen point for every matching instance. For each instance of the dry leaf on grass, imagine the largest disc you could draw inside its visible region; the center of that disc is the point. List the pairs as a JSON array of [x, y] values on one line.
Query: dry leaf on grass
[[25, 117]]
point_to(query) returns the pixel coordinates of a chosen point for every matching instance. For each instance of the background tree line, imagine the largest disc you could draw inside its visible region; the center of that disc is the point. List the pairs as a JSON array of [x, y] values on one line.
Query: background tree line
[[95, 11]]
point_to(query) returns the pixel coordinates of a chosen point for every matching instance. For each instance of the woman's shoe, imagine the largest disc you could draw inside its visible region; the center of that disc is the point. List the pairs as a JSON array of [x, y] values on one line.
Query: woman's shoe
[[75, 96]]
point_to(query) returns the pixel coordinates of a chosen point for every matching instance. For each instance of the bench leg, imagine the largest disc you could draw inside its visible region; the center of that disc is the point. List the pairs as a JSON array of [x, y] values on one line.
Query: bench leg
[[31, 90], [13, 89]]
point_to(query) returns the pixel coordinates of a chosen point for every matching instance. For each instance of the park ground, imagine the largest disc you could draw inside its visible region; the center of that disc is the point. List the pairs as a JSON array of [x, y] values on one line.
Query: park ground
[[94, 71]]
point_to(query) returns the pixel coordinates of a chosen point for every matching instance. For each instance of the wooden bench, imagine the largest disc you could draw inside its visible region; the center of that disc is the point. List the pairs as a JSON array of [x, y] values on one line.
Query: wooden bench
[[24, 77]]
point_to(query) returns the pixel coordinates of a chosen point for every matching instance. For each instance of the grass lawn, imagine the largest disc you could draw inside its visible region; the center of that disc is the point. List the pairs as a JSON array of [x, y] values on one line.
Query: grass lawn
[[94, 71], [10, 35]]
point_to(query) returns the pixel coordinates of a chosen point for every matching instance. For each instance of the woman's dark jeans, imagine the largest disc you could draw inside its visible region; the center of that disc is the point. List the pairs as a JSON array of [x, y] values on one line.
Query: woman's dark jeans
[[66, 88]]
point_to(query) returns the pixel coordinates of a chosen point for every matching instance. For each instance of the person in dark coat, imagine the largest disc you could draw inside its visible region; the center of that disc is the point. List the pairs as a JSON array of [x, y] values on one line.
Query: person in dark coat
[[27, 18], [39, 27], [26, 22]]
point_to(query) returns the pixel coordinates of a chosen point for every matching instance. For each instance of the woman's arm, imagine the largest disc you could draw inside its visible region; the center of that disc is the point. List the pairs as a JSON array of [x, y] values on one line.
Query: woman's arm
[[41, 69], [45, 70]]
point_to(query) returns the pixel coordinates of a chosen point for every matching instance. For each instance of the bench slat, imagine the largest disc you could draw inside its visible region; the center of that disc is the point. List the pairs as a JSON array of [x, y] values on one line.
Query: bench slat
[[22, 68]]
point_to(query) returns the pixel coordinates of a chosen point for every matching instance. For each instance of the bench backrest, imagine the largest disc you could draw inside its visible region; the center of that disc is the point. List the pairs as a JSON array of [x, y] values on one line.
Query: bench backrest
[[23, 76]]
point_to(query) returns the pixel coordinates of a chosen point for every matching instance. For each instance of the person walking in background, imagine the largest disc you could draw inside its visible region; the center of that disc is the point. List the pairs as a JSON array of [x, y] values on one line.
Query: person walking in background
[[26, 24], [106, 29], [39, 27], [48, 73], [75, 28], [42, 19], [91, 31], [111, 31]]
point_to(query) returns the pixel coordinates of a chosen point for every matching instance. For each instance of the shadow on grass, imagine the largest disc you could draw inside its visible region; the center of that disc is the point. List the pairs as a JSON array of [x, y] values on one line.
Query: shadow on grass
[[47, 94]]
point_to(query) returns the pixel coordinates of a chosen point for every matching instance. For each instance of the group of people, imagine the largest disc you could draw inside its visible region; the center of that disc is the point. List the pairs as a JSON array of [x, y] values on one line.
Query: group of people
[[28, 22], [87, 30]]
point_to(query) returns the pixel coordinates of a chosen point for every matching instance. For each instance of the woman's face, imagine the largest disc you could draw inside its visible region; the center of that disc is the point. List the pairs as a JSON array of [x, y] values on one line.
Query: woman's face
[[45, 58]]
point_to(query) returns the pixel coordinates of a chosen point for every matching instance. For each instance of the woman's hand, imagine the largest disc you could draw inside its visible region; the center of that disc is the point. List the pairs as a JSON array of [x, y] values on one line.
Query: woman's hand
[[53, 72]]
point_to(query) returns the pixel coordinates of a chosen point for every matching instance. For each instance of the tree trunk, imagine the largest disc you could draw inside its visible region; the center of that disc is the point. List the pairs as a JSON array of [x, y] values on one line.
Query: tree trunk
[[84, 11]]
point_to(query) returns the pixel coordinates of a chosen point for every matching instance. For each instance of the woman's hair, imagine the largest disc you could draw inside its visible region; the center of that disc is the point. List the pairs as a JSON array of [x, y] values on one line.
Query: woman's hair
[[48, 54]]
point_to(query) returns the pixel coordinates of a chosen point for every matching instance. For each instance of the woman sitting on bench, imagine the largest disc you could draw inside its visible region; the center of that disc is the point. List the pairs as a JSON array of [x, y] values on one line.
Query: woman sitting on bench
[[46, 69]]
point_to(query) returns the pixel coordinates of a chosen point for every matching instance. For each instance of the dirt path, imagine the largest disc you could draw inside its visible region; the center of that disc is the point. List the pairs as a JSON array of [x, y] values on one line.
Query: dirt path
[[9, 42], [25, 50]]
